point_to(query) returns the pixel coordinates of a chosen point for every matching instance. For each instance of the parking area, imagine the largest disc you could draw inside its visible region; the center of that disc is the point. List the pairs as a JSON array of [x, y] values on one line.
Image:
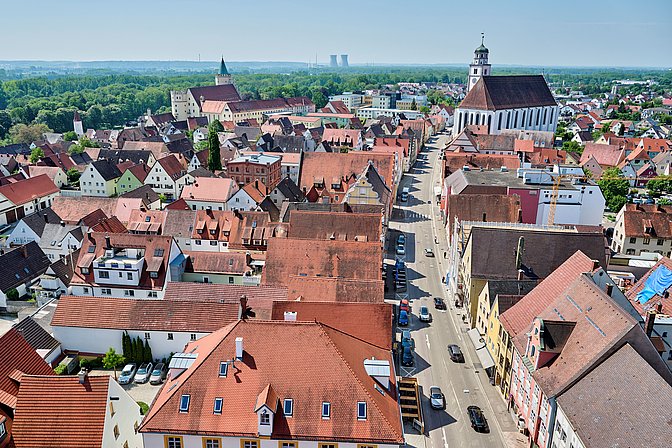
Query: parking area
[[139, 392]]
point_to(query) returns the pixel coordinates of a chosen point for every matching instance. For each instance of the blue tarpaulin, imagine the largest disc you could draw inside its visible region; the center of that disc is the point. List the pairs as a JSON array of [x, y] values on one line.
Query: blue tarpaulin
[[657, 283]]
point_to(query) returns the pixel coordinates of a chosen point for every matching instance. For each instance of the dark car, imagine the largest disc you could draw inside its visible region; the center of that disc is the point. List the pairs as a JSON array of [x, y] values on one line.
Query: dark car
[[403, 318], [477, 419], [455, 353], [406, 339], [407, 357], [439, 304]]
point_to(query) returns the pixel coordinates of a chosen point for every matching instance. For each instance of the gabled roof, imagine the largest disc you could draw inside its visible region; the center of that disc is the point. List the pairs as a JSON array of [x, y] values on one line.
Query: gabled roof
[[482, 207], [211, 189], [376, 329], [508, 92], [23, 191], [224, 92], [334, 289], [326, 365], [605, 155], [603, 407], [234, 263], [59, 411], [144, 192], [107, 169], [647, 221], [17, 358], [290, 190], [330, 258], [136, 156], [144, 315], [36, 336], [172, 167], [665, 302], [72, 210], [54, 233], [179, 223], [335, 225], [21, 265], [38, 220]]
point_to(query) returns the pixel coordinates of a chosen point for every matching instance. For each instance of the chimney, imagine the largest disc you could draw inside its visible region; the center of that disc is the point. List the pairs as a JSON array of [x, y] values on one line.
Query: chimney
[[108, 244], [521, 274], [596, 265], [519, 252], [82, 375], [239, 348], [62, 223], [520, 215], [649, 322], [609, 289], [46, 218], [24, 250], [243, 307], [290, 316]]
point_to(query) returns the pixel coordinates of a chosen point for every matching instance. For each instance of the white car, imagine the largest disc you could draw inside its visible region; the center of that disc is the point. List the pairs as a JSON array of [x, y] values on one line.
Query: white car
[[143, 373], [436, 398], [424, 314], [401, 250]]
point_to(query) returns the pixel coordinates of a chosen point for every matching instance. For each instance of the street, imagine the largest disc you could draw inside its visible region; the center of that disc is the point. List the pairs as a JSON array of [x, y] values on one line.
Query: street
[[463, 384]]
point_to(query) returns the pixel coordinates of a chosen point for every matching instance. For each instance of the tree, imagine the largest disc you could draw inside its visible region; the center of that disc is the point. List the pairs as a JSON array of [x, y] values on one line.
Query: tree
[[425, 109], [664, 201], [112, 360], [70, 136], [73, 175], [660, 185], [572, 146], [414, 105], [614, 188], [23, 133], [5, 123], [36, 154], [217, 126], [126, 345], [147, 352], [214, 157], [75, 149]]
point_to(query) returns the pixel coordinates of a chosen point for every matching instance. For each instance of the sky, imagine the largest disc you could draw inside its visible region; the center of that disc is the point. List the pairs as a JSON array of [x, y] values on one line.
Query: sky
[[517, 32]]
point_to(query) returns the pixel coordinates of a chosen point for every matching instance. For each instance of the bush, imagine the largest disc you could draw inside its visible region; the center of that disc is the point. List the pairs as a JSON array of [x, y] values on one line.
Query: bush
[[61, 369], [12, 294], [96, 363], [144, 407]]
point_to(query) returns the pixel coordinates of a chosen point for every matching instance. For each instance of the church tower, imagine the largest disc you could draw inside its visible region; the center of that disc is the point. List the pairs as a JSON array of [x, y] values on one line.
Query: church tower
[[223, 77], [479, 67], [77, 125]]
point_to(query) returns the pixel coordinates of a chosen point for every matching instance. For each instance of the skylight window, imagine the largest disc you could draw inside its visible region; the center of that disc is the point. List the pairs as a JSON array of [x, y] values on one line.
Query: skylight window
[[223, 368], [361, 410], [92, 249], [217, 409], [158, 252], [147, 219], [288, 407], [184, 403], [326, 409]]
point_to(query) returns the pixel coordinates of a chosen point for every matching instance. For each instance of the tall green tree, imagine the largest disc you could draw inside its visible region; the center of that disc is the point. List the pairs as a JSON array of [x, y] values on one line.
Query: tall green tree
[[615, 188], [36, 154], [28, 133], [112, 360], [147, 352], [414, 105], [214, 156], [217, 126]]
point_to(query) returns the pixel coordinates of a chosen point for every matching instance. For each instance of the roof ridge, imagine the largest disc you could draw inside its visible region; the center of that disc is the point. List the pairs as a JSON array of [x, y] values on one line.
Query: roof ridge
[[347, 364]]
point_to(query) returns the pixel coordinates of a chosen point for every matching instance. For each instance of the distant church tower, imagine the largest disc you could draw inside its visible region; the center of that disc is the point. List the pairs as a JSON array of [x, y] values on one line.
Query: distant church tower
[[480, 66], [77, 125], [223, 77]]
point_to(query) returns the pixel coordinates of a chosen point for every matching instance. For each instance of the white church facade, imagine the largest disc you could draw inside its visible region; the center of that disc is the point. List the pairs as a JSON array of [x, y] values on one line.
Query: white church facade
[[505, 102]]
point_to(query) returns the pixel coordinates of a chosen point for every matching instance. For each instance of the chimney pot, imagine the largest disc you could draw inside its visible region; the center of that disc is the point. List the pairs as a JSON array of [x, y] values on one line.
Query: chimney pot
[[239, 348], [108, 244], [62, 223], [46, 218], [609, 289], [243, 306], [24, 249], [649, 322], [82, 375]]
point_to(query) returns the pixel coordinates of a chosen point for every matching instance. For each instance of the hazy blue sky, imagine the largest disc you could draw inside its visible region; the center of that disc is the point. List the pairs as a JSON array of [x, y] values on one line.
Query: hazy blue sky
[[526, 32]]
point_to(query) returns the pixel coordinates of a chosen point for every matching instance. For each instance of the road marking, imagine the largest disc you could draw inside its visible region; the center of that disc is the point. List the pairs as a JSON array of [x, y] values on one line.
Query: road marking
[[445, 439], [427, 340]]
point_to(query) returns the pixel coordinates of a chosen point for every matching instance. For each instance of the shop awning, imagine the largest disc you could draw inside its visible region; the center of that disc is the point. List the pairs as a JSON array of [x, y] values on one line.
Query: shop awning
[[484, 356]]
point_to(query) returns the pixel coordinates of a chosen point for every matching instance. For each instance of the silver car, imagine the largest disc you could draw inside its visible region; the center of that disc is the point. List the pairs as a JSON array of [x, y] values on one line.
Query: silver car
[[127, 374], [436, 398], [144, 372]]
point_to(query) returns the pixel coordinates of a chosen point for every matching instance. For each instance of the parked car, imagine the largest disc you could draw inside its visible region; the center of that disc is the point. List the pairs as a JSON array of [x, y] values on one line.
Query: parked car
[[477, 419], [439, 304], [401, 250], [406, 339], [455, 353], [143, 373], [158, 374], [424, 314], [405, 305], [407, 357], [403, 318], [401, 239], [127, 373], [429, 252], [436, 398]]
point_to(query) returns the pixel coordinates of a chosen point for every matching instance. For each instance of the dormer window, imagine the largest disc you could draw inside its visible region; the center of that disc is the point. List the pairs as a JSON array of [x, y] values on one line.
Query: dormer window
[[288, 407], [85, 271], [158, 252], [326, 409], [217, 408], [361, 410], [184, 403], [154, 274], [265, 418], [223, 368]]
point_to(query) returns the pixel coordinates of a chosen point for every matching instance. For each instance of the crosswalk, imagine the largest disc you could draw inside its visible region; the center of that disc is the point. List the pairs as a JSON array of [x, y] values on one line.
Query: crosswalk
[[415, 216]]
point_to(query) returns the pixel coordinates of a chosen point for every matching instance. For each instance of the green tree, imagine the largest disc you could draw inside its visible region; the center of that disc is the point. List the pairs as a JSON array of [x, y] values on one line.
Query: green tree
[[73, 175], [214, 157], [664, 201], [70, 136], [75, 149], [24, 133], [414, 105], [425, 109], [147, 352], [126, 345], [36, 154], [112, 360], [217, 126], [5, 123], [572, 146], [614, 188], [660, 185], [12, 294]]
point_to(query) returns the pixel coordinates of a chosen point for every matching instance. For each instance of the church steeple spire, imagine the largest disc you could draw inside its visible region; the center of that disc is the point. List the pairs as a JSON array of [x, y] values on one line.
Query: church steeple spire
[[222, 68], [480, 66], [223, 77]]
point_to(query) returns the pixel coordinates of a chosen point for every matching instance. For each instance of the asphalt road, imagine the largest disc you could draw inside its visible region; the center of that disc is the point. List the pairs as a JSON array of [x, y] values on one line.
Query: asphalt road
[[461, 384]]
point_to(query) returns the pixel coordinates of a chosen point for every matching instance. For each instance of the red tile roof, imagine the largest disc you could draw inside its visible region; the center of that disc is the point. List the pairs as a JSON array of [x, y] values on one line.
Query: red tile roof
[[517, 318], [316, 364], [656, 299], [16, 357], [330, 258], [456, 161], [638, 217], [605, 155], [335, 225], [213, 189], [234, 263], [109, 225], [140, 171], [59, 411], [72, 210], [144, 314], [376, 329], [23, 191], [172, 166], [508, 92], [331, 289]]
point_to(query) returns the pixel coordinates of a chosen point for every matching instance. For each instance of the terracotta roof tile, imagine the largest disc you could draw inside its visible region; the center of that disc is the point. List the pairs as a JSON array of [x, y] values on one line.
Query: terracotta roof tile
[[317, 363], [215, 189], [72, 210], [59, 411], [144, 315], [217, 262], [331, 289], [335, 225], [638, 217], [376, 329], [29, 189], [508, 92], [605, 155], [656, 299]]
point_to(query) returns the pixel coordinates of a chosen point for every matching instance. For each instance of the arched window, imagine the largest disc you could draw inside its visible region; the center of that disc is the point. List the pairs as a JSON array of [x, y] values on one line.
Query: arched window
[[499, 122]]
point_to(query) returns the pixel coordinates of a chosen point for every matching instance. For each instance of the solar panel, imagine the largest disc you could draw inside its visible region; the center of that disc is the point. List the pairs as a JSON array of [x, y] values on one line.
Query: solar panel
[[182, 360]]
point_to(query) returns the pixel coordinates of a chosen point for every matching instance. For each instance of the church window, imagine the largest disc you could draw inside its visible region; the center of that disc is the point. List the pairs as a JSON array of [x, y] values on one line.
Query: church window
[[544, 120], [538, 117], [499, 122], [475, 71], [508, 117]]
